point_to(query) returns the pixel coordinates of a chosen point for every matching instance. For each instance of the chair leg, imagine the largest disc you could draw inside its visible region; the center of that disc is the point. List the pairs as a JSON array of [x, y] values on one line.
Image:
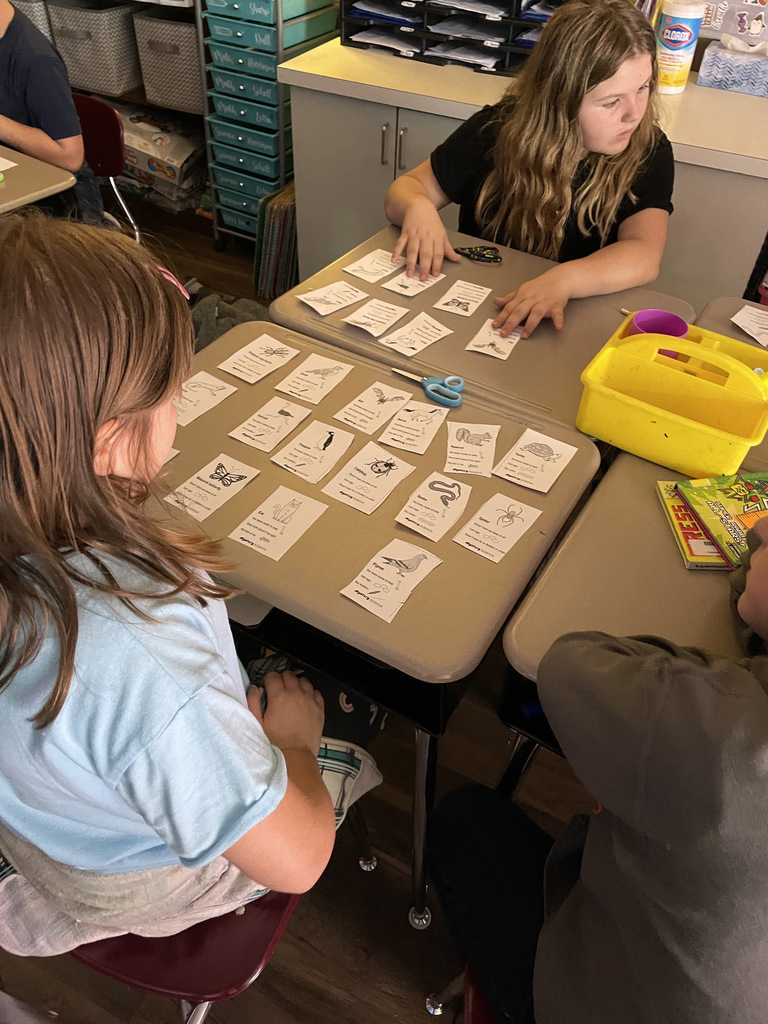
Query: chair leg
[[126, 211], [191, 1014], [519, 763], [438, 1002], [420, 916], [367, 859]]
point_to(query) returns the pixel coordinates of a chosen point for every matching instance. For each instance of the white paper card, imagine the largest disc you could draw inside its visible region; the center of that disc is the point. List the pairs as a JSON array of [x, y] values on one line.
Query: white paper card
[[277, 523], [315, 451], [314, 379], [388, 580], [375, 265], [270, 424], [209, 488], [6, 164], [435, 506], [471, 447], [368, 478], [409, 286], [497, 527], [754, 322], [373, 407], [414, 427], [258, 358], [172, 453], [489, 341], [414, 336], [332, 297], [536, 461], [376, 316], [463, 298], [199, 394]]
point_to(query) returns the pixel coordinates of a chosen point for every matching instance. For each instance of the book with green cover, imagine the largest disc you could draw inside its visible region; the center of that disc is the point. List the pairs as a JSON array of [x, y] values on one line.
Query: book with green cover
[[726, 507], [697, 549]]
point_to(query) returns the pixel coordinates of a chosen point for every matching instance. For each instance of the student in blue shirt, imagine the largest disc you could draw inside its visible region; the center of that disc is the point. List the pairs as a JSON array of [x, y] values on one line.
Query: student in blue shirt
[[140, 790]]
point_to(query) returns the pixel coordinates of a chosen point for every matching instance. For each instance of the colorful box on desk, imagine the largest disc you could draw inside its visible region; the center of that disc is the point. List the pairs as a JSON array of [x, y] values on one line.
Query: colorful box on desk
[[698, 411]]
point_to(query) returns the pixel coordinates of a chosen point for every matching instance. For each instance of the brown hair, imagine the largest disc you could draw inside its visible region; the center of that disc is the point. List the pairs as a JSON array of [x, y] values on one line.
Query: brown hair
[[90, 332], [526, 200]]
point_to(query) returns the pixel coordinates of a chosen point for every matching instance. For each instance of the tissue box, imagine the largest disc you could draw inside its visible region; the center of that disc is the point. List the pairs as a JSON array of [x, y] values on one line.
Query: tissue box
[[161, 148], [733, 70]]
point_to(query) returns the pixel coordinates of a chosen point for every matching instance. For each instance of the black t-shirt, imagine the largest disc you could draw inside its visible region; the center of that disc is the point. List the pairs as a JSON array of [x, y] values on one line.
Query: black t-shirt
[[463, 162], [34, 87]]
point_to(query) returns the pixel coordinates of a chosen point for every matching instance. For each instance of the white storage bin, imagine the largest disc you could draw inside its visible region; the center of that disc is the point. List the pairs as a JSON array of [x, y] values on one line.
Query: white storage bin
[[98, 44], [37, 12], [170, 59]]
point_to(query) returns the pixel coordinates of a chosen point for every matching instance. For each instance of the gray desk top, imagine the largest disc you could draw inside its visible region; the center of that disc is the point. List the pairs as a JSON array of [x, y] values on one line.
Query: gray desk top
[[619, 569], [449, 621], [29, 180], [542, 372]]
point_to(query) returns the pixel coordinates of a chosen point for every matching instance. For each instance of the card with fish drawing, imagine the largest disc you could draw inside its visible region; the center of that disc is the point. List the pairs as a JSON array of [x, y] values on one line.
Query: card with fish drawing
[[414, 427], [270, 424], [536, 461], [435, 506], [388, 580], [373, 407], [258, 358], [471, 447]]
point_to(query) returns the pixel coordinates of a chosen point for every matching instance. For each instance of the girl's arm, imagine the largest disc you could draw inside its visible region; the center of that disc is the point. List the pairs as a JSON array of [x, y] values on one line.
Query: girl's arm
[[412, 202], [632, 260], [289, 849]]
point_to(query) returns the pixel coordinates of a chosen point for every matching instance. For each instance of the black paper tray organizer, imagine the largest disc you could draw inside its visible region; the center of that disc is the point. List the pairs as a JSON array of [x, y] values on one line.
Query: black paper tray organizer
[[492, 36]]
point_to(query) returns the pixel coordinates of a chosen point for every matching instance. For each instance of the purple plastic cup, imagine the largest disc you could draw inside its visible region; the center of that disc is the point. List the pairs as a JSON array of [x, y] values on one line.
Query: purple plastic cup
[[659, 321]]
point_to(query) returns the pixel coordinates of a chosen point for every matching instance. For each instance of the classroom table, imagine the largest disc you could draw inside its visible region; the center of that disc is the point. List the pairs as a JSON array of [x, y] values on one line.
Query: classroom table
[[29, 180], [542, 373], [619, 569], [448, 623]]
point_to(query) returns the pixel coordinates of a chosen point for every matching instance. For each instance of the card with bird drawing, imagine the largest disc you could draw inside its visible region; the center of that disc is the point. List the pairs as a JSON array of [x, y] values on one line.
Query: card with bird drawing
[[416, 335], [435, 506], [258, 358], [315, 451], [270, 424], [489, 341], [376, 316], [373, 407], [200, 393], [375, 265], [209, 488], [388, 580], [314, 379], [471, 448], [414, 427], [368, 478], [275, 526], [333, 297], [535, 461], [496, 527]]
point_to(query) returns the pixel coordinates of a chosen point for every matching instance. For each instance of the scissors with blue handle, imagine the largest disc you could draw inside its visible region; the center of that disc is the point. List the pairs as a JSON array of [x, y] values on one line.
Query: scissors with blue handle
[[443, 390]]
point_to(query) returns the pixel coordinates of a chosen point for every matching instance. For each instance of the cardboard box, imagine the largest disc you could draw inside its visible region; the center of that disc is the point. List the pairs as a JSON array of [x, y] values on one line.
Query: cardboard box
[[159, 148]]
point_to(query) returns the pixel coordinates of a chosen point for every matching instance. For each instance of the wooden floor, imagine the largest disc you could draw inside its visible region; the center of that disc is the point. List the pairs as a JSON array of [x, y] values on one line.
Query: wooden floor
[[349, 955]]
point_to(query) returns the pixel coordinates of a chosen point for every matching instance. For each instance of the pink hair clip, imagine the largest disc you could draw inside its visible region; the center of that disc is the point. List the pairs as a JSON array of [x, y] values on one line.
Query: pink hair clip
[[174, 280]]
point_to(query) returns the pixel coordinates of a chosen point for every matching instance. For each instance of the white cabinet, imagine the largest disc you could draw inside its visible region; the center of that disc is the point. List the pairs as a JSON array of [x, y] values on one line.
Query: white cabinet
[[346, 152]]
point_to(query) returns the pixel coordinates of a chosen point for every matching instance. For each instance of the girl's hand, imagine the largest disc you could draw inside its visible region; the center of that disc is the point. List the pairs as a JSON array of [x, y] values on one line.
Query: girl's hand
[[423, 240], [543, 296], [295, 711]]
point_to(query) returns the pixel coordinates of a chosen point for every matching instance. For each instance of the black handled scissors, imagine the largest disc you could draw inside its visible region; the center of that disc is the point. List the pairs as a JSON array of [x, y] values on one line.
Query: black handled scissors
[[479, 253]]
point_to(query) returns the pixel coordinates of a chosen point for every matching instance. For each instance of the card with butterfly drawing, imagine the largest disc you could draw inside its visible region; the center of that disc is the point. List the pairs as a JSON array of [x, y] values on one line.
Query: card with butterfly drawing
[[373, 407], [210, 487], [463, 297]]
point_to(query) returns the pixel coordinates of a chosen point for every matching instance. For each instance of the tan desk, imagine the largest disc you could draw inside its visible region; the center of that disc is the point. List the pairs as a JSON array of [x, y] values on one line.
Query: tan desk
[[619, 569], [29, 180], [542, 373]]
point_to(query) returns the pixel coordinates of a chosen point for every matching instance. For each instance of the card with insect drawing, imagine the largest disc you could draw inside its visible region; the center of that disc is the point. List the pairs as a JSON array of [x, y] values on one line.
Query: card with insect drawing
[[211, 486], [258, 358]]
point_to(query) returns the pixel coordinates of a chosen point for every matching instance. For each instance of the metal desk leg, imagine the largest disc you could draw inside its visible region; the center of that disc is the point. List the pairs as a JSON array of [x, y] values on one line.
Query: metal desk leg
[[420, 916]]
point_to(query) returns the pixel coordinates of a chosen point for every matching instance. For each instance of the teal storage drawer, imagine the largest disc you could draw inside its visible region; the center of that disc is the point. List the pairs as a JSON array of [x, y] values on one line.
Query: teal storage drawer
[[263, 37], [240, 221], [252, 62], [249, 88], [264, 11], [245, 112], [239, 202], [251, 163], [255, 141], [235, 181]]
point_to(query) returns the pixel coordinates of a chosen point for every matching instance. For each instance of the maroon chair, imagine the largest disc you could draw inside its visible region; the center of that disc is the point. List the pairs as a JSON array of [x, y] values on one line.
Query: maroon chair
[[215, 960], [464, 987], [104, 146]]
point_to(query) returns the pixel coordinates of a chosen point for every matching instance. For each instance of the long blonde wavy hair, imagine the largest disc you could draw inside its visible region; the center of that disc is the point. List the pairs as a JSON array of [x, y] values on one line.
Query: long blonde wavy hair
[[90, 332], [527, 198]]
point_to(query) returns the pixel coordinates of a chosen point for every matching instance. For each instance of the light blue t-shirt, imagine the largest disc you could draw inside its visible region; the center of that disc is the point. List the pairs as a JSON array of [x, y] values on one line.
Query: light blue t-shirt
[[155, 758]]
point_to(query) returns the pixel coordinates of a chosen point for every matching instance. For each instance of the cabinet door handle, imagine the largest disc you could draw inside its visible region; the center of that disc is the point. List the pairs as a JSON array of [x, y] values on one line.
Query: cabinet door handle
[[401, 149], [384, 144]]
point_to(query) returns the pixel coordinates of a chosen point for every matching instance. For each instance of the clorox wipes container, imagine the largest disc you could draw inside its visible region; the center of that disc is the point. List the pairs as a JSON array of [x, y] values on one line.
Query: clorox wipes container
[[676, 35]]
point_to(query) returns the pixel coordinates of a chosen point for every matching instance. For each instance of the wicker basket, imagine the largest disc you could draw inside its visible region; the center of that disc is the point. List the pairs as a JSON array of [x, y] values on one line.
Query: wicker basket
[[37, 12], [170, 59], [98, 44]]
